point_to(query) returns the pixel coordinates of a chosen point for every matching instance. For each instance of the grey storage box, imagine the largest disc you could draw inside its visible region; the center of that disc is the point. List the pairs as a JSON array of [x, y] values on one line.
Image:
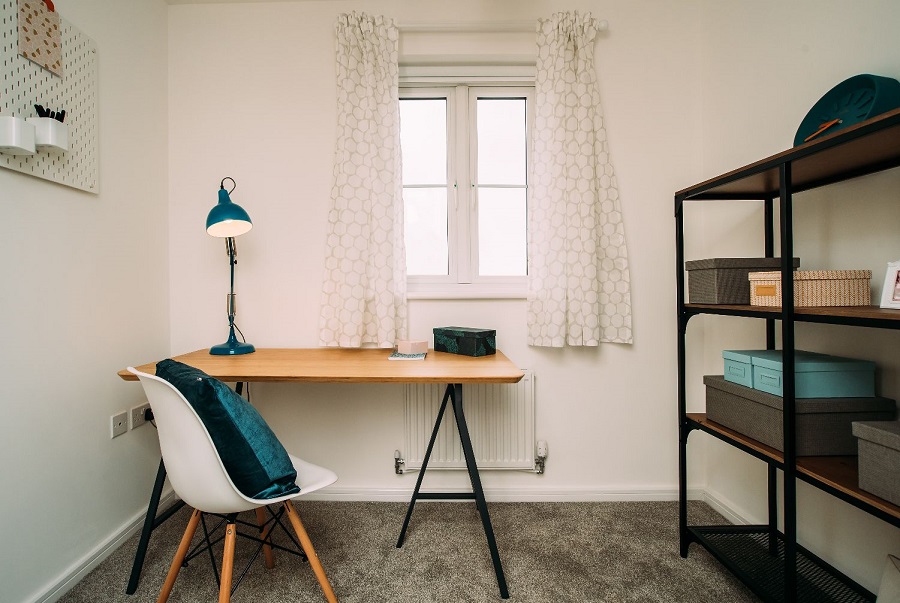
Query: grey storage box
[[879, 458], [725, 280], [823, 425]]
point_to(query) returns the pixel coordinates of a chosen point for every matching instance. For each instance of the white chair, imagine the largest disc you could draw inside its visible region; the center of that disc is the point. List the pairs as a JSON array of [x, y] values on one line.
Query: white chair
[[198, 476]]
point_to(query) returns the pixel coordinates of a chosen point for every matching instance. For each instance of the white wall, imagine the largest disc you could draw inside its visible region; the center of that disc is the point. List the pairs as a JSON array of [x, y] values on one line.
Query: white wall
[[252, 96], [85, 291], [765, 64]]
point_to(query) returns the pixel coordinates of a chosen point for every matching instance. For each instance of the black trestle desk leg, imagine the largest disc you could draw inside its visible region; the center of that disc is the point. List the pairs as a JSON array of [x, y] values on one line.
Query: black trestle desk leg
[[457, 401], [412, 502], [150, 523], [454, 394]]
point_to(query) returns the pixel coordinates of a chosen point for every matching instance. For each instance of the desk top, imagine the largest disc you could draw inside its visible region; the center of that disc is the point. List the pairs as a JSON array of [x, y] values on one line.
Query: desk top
[[346, 365]]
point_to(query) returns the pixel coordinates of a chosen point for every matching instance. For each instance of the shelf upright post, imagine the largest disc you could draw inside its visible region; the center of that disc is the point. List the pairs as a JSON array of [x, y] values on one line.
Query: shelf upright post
[[684, 540], [769, 229], [788, 393], [769, 249]]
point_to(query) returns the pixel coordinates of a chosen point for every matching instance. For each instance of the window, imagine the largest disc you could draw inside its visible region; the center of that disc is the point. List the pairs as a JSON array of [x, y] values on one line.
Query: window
[[465, 165]]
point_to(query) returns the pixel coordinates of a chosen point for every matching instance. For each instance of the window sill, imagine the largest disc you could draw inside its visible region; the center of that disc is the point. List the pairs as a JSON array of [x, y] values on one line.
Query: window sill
[[467, 291]]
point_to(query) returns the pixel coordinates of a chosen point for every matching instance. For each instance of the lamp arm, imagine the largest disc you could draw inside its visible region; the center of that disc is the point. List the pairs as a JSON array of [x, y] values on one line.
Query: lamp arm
[[231, 248]]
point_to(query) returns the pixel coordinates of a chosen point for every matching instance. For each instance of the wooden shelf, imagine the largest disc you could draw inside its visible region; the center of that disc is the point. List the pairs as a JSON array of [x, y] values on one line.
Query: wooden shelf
[[871, 316], [865, 148], [839, 473], [729, 434]]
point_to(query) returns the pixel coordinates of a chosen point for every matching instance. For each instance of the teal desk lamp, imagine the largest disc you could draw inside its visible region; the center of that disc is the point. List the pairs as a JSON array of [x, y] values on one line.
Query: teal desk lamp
[[228, 220]]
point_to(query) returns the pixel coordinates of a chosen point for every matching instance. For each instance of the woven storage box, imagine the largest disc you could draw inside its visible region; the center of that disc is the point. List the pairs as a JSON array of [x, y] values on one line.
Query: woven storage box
[[813, 288], [724, 280], [465, 341], [815, 375], [823, 425], [879, 458]]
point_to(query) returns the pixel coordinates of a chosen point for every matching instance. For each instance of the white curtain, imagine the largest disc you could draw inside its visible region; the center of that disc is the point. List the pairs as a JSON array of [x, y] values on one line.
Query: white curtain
[[364, 290], [579, 284]]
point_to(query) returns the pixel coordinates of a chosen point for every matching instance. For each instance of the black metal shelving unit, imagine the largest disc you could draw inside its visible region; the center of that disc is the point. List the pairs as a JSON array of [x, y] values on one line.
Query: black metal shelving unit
[[770, 561]]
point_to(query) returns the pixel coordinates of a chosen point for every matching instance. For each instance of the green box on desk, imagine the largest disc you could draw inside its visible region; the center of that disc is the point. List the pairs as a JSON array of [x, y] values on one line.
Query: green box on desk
[[815, 375], [465, 341]]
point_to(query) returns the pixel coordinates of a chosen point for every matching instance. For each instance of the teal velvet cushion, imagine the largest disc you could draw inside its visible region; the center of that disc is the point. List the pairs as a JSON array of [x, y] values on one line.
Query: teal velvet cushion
[[255, 460]]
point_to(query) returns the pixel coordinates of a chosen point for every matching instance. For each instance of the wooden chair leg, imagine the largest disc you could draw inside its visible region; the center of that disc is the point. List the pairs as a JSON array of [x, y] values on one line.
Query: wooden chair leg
[[227, 563], [264, 534], [313, 559], [179, 557]]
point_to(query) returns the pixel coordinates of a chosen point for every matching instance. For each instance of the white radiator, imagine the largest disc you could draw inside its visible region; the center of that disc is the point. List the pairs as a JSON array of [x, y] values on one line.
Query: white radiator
[[500, 418]]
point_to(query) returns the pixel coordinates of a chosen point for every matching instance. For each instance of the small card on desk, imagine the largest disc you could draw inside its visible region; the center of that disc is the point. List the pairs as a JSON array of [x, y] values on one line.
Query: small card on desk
[[399, 356]]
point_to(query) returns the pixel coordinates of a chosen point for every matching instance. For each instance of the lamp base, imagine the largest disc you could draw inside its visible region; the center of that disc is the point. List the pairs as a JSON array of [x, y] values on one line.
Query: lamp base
[[232, 347]]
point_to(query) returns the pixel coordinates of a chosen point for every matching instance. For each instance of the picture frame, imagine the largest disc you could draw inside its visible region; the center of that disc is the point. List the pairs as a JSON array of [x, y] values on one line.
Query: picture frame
[[890, 292]]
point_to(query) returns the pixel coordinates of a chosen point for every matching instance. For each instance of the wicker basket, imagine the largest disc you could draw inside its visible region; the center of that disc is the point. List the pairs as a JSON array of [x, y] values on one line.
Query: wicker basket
[[814, 288]]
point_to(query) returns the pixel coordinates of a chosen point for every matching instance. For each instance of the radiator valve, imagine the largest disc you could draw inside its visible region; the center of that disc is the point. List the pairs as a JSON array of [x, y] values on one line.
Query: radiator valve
[[398, 463], [541, 457]]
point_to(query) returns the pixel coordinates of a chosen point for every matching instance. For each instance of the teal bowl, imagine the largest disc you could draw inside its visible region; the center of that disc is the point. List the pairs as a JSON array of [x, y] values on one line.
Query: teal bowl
[[856, 99]]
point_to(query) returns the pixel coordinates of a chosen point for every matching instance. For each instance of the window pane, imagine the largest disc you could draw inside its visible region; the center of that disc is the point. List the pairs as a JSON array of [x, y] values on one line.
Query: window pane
[[501, 232], [501, 140], [425, 233], [423, 140]]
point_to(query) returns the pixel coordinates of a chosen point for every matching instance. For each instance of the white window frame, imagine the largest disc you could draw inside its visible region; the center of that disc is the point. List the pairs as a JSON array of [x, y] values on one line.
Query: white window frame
[[463, 281]]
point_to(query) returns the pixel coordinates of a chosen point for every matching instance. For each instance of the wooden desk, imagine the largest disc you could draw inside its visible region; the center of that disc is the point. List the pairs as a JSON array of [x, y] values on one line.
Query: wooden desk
[[342, 365]]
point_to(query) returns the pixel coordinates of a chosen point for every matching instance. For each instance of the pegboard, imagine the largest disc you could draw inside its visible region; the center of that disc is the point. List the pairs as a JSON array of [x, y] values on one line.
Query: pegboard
[[24, 84]]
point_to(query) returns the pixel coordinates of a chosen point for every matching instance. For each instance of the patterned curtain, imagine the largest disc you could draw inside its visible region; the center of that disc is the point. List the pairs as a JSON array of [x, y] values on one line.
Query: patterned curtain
[[364, 292], [579, 284]]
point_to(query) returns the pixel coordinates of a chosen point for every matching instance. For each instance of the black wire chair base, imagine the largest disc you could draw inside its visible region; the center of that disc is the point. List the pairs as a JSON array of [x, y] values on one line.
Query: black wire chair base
[[216, 534]]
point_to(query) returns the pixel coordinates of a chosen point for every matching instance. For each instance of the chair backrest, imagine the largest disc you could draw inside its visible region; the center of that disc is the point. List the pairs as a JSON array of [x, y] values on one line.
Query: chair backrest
[[194, 468]]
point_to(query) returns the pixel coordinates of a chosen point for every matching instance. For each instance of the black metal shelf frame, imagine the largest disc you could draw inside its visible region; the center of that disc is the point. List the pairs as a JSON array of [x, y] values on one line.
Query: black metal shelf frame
[[757, 555], [791, 565]]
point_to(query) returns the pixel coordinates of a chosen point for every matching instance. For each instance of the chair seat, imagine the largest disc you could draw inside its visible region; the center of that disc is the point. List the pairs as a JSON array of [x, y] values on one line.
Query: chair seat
[[312, 477]]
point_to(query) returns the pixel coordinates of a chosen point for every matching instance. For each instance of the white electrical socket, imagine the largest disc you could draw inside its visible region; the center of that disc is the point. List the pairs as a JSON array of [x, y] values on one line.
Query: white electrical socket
[[137, 415], [118, 424]]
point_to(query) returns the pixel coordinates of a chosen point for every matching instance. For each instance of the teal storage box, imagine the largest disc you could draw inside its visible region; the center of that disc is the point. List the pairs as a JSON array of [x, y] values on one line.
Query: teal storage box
[[816, 375], [739, 367], [465, 341]]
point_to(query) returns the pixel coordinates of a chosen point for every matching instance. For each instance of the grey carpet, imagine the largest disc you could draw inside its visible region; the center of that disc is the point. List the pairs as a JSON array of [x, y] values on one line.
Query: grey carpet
[[551, 552]]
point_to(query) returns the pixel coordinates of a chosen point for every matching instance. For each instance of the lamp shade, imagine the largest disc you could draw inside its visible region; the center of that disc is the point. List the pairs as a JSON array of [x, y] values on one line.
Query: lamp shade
[[227, 219]]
